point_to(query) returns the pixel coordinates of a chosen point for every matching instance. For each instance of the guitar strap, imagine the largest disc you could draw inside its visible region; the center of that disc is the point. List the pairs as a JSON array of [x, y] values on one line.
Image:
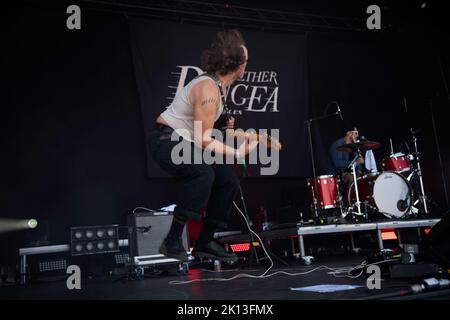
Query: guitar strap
[[221, 122], [221, 90]]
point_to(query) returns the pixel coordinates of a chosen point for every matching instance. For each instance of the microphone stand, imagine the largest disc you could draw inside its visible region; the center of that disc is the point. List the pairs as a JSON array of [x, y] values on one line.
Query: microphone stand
[[444, 183], [252, 239], [317, 210], [244, 204], [253, 251]]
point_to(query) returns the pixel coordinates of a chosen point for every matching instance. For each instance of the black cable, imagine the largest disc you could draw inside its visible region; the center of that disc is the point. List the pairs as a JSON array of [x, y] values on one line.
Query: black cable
[[387, 295], [429, 286], [252, 239], [444, 182], [407, 295], [432, 294]]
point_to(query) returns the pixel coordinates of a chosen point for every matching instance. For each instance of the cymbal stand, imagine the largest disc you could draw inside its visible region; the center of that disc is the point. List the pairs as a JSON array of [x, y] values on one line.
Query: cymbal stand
[[422, 197], [341, 204], [355, 182]]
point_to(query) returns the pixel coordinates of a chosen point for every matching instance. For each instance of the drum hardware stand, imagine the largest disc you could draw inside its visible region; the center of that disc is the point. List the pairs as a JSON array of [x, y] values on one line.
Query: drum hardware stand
[[317, 210], [353, 166], [364, 214], [413, 211], [341, 204], [388, 215], [422, 196], [367, 205]]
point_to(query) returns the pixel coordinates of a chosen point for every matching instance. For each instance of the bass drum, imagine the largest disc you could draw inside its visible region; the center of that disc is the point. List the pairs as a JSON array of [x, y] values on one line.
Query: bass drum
[[388, 191]]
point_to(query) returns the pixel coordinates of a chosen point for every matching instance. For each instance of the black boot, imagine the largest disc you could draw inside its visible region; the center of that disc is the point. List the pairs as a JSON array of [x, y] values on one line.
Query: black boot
[[174, 249], [213, 250]]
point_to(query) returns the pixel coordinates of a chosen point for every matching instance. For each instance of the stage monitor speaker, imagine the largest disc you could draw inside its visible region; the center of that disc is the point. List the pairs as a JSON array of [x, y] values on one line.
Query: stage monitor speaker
[[147, 231], [438, 242]]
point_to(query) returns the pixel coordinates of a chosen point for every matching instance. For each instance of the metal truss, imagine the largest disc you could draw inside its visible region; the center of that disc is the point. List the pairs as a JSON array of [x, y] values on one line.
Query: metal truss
[[231, 15]]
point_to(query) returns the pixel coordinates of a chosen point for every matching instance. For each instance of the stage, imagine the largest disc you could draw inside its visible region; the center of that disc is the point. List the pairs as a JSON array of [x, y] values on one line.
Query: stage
[[158, 287], [300, 230], [321, 172]]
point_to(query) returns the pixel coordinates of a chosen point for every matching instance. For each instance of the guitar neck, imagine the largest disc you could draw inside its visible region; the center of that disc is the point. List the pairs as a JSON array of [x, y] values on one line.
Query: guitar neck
[[266, 139]]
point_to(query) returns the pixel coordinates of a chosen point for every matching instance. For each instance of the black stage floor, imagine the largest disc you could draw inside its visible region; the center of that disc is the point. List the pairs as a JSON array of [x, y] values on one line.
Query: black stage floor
[[158, 287]]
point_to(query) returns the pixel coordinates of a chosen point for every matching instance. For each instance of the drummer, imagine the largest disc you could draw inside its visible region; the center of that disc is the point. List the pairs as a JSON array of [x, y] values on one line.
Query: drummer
[[339, 162]]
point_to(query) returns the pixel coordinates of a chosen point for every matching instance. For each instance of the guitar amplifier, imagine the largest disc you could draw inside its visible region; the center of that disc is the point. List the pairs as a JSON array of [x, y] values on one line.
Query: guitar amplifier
[[147, 231]]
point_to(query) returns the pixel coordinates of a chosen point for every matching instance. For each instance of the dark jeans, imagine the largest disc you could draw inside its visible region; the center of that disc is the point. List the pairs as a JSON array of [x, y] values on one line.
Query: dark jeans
[[214, 186], [345, 188]]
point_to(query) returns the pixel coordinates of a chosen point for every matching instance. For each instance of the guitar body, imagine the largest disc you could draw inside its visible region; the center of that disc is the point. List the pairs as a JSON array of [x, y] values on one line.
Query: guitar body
[[267, 140]]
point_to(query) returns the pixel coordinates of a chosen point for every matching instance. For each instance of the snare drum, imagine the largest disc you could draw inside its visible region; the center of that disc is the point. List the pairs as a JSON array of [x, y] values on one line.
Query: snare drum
[[397, 162], [327, 191]]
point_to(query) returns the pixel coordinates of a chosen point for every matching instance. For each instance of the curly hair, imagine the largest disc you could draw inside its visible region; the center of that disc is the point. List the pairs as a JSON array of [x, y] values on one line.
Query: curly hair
[[225, 53]]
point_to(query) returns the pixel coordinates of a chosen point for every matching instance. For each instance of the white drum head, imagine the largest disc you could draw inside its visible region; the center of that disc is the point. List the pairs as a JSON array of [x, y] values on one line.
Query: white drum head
[[392, 194], [397, 155]]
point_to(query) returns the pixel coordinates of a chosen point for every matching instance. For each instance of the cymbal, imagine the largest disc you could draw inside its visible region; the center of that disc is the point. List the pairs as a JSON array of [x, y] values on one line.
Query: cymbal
[[361, 145]]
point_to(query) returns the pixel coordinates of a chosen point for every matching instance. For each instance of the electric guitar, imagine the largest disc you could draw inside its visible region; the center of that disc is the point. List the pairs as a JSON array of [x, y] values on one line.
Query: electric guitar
[[264, 138]]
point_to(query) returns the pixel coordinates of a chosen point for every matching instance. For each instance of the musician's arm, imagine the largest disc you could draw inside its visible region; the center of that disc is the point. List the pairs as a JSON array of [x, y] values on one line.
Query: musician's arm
[[239, 133], [336, 157], [205, 99]]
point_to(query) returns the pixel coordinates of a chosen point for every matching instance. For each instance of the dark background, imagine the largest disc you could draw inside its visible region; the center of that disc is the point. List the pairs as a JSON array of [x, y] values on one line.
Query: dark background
[[72, 135], [284, 54]]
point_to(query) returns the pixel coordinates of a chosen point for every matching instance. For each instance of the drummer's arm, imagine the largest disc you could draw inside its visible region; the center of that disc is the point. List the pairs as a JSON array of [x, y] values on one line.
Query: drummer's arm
[[361, 168], [336, 158]]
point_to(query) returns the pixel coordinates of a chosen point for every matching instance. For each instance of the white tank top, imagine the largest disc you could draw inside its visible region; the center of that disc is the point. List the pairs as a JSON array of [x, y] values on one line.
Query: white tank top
[[180, 114]]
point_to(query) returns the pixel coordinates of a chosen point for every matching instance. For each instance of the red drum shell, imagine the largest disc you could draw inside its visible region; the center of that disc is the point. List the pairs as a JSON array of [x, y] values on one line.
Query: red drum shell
[[365, 189], [397, 162], [389, 192], [327, 195]]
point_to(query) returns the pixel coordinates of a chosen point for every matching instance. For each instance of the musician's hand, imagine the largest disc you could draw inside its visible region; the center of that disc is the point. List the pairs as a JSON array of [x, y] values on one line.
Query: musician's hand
[[230, 123], [269, 141], [264, 139], [247, 147]]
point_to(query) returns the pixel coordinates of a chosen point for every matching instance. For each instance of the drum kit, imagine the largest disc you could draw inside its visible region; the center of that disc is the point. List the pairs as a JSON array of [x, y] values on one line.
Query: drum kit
[[395, 193]]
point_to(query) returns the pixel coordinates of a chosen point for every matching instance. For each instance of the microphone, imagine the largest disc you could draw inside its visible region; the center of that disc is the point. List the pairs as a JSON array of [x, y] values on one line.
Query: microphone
[[414, 132], [406, 150], [407, 146], [339, 110]]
